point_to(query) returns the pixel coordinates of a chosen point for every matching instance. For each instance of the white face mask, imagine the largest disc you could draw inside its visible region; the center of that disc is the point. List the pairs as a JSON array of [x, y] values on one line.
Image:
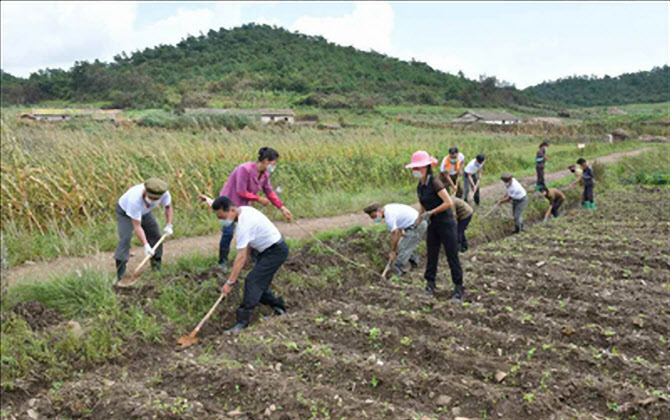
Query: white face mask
[[416, 174], [378, 219], [508, 184], [270, 168], [149, 201], [225, 222]]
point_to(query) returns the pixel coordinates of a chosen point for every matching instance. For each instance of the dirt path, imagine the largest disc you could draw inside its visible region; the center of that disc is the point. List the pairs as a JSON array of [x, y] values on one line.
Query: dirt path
[[208, 244]]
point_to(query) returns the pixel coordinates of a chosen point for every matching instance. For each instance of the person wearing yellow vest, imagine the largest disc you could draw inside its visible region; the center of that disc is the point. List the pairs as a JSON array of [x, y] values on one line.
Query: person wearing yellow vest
[[451, 171]]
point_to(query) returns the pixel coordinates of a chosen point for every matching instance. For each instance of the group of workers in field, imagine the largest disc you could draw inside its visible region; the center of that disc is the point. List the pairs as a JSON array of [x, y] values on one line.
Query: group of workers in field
[[443, 217]]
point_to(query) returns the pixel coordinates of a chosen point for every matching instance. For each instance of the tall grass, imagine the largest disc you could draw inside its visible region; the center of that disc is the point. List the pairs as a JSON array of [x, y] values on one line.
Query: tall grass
[[59, 185]]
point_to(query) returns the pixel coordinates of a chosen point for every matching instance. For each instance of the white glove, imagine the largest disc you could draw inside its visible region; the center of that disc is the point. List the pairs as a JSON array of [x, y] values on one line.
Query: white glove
[[168, 229], [147, 250]]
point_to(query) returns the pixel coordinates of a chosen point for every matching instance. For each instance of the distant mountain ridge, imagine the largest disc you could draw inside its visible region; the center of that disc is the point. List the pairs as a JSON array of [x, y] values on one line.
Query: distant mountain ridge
[[629, 88], [258, 63]]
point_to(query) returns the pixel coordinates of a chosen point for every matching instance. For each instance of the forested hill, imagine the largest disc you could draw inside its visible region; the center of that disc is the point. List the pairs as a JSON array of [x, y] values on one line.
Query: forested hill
[[639, 87], [252, 59]]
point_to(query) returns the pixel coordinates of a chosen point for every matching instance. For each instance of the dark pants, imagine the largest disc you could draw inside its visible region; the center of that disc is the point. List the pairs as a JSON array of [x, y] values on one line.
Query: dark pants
[[588, 194], [462, 227], [125, 225], [442, 233], [540, 175], [257, 285], [555, 206], [457, 181], [224, 245], [466, 192]]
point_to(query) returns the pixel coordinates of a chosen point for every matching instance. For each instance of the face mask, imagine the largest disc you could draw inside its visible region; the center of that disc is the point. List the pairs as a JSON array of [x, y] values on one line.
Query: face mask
[[478, 165], [378, 219], [225, 222], [149, 201], [454, 160], [270, 168], [416, 174], [507, 184]]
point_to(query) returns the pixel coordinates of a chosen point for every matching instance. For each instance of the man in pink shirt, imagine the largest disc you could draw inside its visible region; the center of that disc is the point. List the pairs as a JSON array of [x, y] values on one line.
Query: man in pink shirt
[[243, 186]]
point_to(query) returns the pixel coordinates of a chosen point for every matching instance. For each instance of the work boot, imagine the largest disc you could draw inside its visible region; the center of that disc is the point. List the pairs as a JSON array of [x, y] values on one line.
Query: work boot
[[243, 318], [413, 263], [120, 269], [398, 271], [279, 308], [459, 291], [156, 264], [222, 266], [429, 291]]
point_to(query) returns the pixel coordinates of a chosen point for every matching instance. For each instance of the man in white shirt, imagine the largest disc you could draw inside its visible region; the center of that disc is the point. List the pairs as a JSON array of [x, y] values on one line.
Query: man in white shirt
[[473, 176], [401, 220], [255, 232], [133, 214], [517, 195]]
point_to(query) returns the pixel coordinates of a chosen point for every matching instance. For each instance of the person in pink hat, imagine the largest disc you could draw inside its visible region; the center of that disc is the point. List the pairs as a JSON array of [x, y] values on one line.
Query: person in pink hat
[[436, 207]]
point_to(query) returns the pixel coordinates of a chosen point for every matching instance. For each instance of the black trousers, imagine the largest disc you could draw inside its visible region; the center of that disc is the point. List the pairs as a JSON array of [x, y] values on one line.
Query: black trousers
[[257, 285], [442, 233], [555, 206], [588, 194], [462, 227], [540, 175]]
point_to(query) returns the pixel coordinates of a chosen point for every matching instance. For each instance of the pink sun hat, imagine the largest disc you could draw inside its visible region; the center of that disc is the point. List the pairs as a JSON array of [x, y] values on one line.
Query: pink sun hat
[[421, 159]]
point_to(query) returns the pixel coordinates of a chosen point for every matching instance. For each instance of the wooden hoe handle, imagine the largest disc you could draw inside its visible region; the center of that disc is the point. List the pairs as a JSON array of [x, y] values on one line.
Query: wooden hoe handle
[[211, 311], [144, 261]]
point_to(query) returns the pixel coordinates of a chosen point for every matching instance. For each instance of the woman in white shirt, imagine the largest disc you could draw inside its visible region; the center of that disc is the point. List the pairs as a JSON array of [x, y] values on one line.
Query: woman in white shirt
[[517, 195]]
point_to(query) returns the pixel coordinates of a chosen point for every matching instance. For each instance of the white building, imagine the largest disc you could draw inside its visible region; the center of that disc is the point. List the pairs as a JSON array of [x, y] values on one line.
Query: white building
[[488, 117]]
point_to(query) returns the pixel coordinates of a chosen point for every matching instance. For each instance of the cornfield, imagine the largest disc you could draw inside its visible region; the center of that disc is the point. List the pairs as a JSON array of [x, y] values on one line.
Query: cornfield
[[58, 179]]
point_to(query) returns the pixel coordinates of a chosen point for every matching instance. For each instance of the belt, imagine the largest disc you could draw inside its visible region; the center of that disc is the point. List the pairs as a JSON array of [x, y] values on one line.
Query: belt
[[279, 242]]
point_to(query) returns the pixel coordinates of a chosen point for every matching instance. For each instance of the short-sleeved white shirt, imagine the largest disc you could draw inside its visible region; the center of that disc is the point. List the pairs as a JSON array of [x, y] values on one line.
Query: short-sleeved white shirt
[[473, 166], [399, 216], [255, 229], [134, 205], [443, 165], [515, 190]]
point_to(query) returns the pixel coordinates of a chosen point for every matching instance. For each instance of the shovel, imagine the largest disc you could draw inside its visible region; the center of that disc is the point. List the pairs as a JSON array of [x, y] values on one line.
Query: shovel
[[132, 279], [190, 339]]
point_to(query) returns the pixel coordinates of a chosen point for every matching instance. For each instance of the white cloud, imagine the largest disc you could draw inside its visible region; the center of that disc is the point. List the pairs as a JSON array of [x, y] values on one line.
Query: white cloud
[[36, 35], [369, 26]]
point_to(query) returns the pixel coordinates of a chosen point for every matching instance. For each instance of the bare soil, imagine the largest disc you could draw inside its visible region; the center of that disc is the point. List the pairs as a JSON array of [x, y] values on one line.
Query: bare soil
[[566, 321], [209, 244], [37, 315]]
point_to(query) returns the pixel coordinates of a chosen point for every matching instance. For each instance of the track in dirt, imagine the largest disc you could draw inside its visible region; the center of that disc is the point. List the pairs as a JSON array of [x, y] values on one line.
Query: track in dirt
[[568, 320], [208, 244]]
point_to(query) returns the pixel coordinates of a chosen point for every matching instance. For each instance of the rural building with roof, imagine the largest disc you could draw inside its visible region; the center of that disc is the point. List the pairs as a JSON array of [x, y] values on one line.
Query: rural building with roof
[[488, 117], [267, 116]]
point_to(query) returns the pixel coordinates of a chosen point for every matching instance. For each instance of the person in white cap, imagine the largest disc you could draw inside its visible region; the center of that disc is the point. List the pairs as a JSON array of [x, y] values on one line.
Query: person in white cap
[[436, 207]]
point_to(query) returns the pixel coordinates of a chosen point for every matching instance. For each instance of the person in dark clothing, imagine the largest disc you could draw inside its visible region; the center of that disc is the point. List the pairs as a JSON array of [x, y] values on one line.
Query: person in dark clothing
[[257, 234], [540, 160], [463, 215], [436, 207], [556, 199], [589, 182]]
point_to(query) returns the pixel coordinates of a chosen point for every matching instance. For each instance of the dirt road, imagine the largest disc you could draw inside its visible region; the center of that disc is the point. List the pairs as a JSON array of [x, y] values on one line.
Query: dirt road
[[209, 244]]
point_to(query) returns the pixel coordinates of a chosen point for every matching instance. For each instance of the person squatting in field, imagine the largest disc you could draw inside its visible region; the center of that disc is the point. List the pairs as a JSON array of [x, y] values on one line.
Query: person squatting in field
[[436, 208], [517, 195], [462, 215], [473, 176], [258, 238], [242, 188], [407, 229], [133, 214], [556, 199], [589, 183], [451, 171], [540, 161]]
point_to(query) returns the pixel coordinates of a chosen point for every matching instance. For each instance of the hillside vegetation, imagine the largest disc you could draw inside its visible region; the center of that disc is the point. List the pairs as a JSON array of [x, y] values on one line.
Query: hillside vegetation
[[249, 63], [628, 88]]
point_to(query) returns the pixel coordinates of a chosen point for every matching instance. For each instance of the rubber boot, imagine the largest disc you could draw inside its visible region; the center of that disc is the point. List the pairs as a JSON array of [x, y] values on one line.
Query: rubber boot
[[156, 264], [592, 205], [243, 319], [459, 291], [120, 269], [398, 271], [413, 262], [429, 291], [279, 308]]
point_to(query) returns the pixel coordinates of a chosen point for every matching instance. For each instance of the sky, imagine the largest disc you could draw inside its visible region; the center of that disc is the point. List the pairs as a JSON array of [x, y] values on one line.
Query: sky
[[522, 43]]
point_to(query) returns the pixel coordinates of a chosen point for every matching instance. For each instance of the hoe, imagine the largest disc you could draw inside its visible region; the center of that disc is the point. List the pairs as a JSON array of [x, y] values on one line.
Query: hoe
[[190, 339], [132, 279]]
